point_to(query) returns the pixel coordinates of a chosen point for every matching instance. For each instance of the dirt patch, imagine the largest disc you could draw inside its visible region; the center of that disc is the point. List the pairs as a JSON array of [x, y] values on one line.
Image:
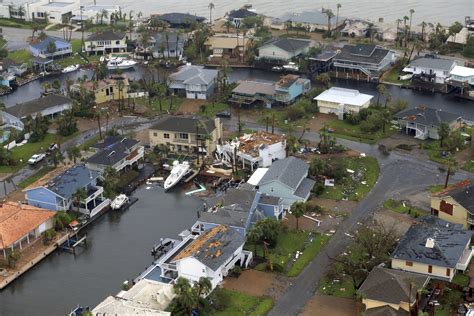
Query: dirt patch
[[335, 206], [317, 123], [466, 155], [400, 222], [257, 283], [191, 106], [330, 305]]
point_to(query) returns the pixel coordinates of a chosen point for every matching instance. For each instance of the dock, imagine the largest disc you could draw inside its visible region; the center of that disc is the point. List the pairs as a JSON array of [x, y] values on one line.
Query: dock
[[73, 242]]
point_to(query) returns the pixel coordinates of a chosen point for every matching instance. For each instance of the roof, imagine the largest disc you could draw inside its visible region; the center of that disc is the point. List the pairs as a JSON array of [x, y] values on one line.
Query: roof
[[44, 43], [17, 220], [232, 215], [324, 55], [433, 63], [234, 196], [288, 44], [305, 188], [462, 71], [427, 116], [179, 18], [159, 39], [241, 13], [112, 140], [214, 247], [362, 53], [392, 286], [185, 125], [38, 105], [107, 35], [250, 87], [109, 156], [287, 81], [269, 200], [257, 176], [101, 84], [344, 96], [385, 310], [448, 247], [309, 17], [72, 179], [191, 74], [289, 171], [464, 195], [226, 42]]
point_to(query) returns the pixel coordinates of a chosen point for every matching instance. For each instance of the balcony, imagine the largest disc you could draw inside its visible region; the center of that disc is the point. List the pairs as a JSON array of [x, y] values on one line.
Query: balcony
[[465, 259], [93, 193], [94, 207]]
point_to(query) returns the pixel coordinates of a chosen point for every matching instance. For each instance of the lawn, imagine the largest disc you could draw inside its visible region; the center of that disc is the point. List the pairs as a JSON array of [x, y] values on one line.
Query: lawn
[[435, 152], [243, 304], [460, 279], [88, 143], [404, 208], [33, 178], [366, 170], [76, 45], [18, 24], [165, 104], [20, 56], [339, 288], [469, 166], [287, 244], [211, 109], [345, 130], [436, 188], [392, 76], [71, 60]]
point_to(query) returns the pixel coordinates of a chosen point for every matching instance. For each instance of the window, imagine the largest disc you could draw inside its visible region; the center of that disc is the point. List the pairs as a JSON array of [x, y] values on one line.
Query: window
[[183, 135], [409, 264], [446, 207], [430, 269], [155, 134], [448, 272], [117, 42], [111, 90], [166, 135]]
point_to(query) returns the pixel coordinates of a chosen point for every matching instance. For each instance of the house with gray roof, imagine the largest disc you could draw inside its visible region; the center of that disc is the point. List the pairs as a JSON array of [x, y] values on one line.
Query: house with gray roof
[[437, 249], [237, 16], [439, 68], [51, 47], [193, 82], [315, 20], [169, 45], [393, 289], [283, 49], [423, 122], [287, 179], [105, 42], [59, 193]]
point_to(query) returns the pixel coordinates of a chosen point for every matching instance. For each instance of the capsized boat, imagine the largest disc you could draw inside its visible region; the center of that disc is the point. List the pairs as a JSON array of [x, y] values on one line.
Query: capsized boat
[[177, 173], [119, 201], [120, 63], [71, 68]]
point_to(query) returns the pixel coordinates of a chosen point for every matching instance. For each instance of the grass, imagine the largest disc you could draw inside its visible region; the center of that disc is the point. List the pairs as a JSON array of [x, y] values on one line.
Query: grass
[[243, 304], [88, 143], [351, 189], [460, 279], [17, 23], [33, 178], [436, 188], [342, 129], [165, 104], [400, 207], [392, 76], [343, 288], [469, 166], [210, 110], [308, 254], [76, 45], [71, 60], [20, 56]]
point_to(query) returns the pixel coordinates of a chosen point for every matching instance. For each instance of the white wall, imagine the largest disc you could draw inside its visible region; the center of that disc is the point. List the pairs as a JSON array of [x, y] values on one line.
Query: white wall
[[272, 152]]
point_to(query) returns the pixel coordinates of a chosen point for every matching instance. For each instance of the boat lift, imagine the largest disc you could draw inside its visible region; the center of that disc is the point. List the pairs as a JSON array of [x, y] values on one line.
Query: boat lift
[[74, 241]]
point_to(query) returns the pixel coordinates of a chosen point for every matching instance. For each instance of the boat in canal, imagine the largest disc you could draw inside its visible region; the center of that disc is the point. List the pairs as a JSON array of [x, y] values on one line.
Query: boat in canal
[[177, 173], [120, 63], [70, 68], [119, 202]]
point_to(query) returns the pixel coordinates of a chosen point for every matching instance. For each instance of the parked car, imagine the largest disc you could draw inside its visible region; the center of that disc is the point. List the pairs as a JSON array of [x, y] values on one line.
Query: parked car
[[36, 158], [52, 148], [223, 114]]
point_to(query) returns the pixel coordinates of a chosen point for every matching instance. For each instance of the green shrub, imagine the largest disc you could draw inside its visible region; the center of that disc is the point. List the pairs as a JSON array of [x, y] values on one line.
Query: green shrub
[[294, 113], [318, 189]]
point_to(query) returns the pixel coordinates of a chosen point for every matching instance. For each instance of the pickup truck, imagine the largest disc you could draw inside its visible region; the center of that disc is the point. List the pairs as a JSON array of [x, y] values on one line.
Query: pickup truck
[[36, 158]]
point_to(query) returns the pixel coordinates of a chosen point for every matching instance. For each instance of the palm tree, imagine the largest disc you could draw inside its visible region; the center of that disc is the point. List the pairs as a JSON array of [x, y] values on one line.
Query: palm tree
[[386, 117], [211, 6], [104, 14], [338, 6], [203, 286], [56, 158], [79, 195], [411, 16], [443, 131], [228, 24], [253, 236], [297, 210], [381, 89], [2, 106], [452, 165], [186, 295], [73, 153], [130, 23], [330, 15], [398, 29], [423, 26], [98, 113], [405, 19]]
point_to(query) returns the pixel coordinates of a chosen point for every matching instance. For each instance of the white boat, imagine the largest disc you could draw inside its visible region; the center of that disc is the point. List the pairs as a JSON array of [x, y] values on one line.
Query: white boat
[[120, 63], [177, 173], [70, 69], [119, 201], [291, 66]]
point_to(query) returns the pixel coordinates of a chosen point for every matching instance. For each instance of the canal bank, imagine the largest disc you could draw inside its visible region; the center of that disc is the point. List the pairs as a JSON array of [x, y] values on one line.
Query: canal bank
[[119, 245]]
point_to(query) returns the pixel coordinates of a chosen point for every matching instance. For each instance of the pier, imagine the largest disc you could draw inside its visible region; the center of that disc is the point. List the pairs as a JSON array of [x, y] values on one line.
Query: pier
[[74, 241]]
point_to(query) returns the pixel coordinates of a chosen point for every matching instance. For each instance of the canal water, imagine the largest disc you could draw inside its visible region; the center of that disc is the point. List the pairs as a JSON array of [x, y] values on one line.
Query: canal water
[[119, 245]]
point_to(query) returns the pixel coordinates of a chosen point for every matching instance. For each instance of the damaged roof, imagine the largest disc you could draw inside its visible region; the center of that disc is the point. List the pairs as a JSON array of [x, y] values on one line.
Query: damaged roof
[[182, 124], [427, 116], [214, 247]]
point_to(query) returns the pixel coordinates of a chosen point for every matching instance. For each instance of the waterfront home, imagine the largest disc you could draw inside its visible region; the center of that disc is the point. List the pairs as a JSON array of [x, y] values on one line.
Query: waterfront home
[[193, 82], [7, 81], [287, 179], [51, 47], [423, 122], [226, 45], [455, 204], [390, 290], [58, 193], [146, 297], [21, 225], [290, 87], [237, 16], [435, 248], [459, 39], [461, 76], [105, 42], [210, 255], [366, 60], [95, 13], [105, 90], [438, 69], [51, 11], [315, 20], [178, 20], [170, 45], [12, 67], [186, 134], [342, 101], [283, 49], [322, 62], [118, 152]]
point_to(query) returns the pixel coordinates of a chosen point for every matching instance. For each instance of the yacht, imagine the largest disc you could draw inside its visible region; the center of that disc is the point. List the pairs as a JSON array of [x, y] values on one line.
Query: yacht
[[120, 63], [71, 68], [177, 173], [119, 201]]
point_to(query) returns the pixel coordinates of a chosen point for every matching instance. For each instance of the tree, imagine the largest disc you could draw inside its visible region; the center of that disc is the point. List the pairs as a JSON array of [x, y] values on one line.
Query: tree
[[73, 153], [79, 196], [386, 117], [270, 229], [98, 113], [56, 158], [211, 6], [381, 89], [405, 27], [203, 286], [454, 29], [110, 181], [298, 209], [411, 18], [468, 50], [228, 24], [56, 85], [104, 14], [452, 166], [443, 131], [324, 79], [338, 6], [329, 15], [254, 235], [423, 27], [67, 124], [454, 142], [51, 48], [186, 299]]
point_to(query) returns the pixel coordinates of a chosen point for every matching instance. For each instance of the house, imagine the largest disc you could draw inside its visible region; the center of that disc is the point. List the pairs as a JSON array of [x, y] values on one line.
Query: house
[[105, 90], [7, 81], [460, 39], [423, 122], [94, 13], [172, 46], [394, 289], [51, 47], [287, 179], [105, 42], [290, 87], [12, 67], [146, 297], [438, 68], [211, 255], [322, 62], [227, 45], [315, 20], [186, 134], [57, 192], [455, 204], [342, 101], [194, 82], [434, 248], [283, 49], [363, 59], [117, 152], [21, 225], [179, 20], [461, 76], [355, 28], [51, 11], [237, 16]]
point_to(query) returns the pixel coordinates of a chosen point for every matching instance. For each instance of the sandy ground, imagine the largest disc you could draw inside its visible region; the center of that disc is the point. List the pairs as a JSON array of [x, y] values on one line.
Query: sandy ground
[[190, 106], [465, 155], [317, 123], [257, 283], [330, 305], [400, 222]]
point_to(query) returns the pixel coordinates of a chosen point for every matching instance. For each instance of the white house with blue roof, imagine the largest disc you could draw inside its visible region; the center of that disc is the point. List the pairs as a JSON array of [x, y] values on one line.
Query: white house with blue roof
[[59, 193], [51, 47]]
